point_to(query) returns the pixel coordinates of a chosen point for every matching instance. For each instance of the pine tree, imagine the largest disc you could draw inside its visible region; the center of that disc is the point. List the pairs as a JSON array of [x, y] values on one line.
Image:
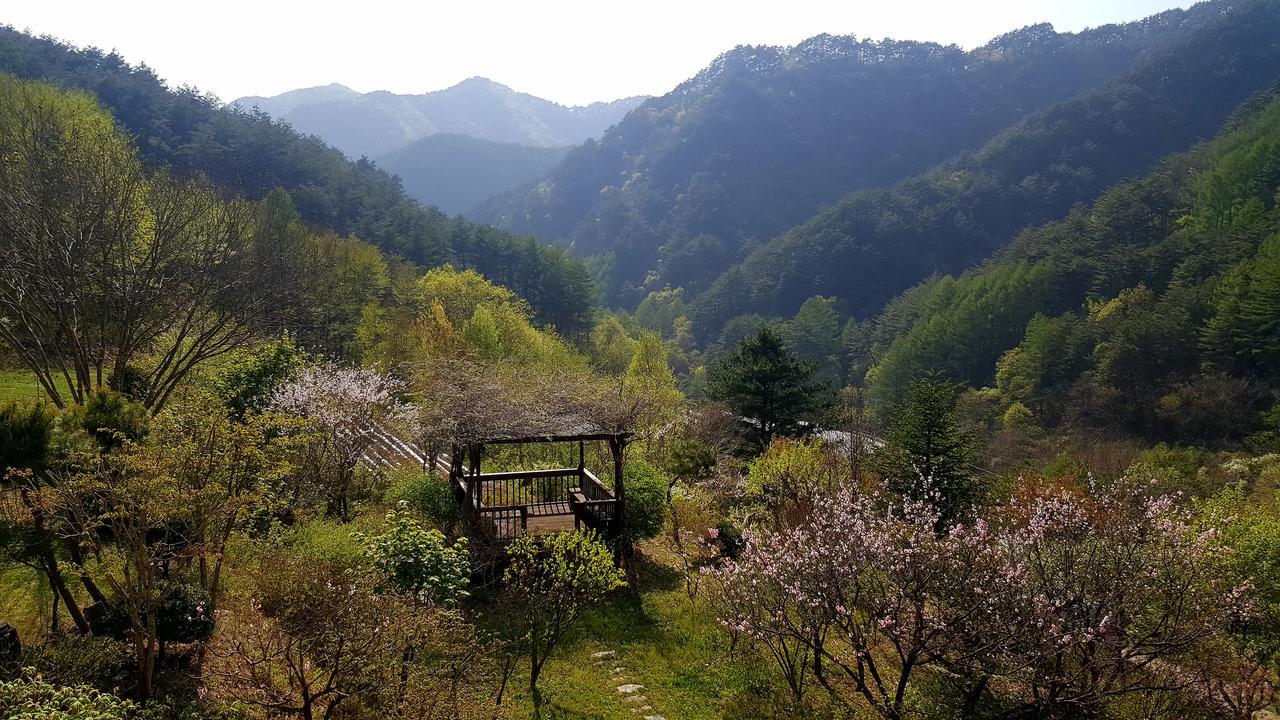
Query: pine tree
[[928, 454], [766, 383]]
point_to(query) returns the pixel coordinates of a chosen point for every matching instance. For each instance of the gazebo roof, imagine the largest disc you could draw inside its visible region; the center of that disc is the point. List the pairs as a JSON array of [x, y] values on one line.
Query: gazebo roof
[[474, 404]]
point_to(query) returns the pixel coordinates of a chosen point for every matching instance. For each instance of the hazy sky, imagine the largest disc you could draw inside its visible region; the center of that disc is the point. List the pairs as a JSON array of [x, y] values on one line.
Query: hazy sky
[[570, 51]]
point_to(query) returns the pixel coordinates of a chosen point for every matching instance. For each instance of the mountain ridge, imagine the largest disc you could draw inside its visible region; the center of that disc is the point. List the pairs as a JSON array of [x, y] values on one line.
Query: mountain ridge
[[756, 143], [375, 123]]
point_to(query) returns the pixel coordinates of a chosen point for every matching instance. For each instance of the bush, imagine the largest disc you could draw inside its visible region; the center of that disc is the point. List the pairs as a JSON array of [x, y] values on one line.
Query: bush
[[185, 614], [729, 536], [99, 662], [37, 699], [646, 509], [427, 494], [417, 561], [325, 540]]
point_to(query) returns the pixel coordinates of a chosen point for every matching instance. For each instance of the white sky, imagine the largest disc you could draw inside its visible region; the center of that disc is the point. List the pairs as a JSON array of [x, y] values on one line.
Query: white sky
[[570, 51]]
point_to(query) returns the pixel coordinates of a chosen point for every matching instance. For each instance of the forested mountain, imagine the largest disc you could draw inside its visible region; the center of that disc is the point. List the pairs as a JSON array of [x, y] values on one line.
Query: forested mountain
[[765, 136], [1153, 312], [372, 124], [250, 154], [875, 243], [455, 172]]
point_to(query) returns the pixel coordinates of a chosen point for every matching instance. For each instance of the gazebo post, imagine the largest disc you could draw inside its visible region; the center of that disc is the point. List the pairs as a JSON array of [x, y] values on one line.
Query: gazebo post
[[474, 452], [618, 446]]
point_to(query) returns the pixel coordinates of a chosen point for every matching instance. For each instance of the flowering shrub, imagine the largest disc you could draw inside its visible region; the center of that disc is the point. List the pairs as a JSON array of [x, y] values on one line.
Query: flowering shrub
[[1081, 598], [339, 410]]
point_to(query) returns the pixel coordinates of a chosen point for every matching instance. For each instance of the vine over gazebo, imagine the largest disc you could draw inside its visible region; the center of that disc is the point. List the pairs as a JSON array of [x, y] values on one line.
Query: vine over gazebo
[[470, 407]]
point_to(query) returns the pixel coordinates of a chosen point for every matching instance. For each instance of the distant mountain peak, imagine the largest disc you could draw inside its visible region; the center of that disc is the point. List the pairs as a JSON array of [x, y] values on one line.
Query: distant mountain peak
[[375, 123]]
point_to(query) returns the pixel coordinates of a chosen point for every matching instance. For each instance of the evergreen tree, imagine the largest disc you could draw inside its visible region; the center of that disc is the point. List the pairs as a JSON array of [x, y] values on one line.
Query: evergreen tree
[[927, 452], [766, 383]]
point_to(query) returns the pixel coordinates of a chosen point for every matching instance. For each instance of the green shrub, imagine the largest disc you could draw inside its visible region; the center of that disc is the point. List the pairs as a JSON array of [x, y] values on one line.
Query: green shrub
[[98, 662], [427, 494], [646, 508], [325, 540], [417, 561], [185, 614], [37, 699]]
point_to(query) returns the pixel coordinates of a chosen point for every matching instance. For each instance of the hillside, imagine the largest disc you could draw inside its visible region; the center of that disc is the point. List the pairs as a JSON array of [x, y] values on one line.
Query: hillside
[[876, 243], [765, 136], [250, 154], [376, 123], [1151, 312], [455, 172]]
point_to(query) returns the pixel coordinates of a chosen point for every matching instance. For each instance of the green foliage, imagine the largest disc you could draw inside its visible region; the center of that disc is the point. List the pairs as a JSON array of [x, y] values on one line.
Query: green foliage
[[646, 501], [1244, 333], [26, 431], [36, 699], [113, 419], [250, 154], [184, 613], [964, 327], [814, 333], [323, 541], [426, 493], [650, 382], [250, 376], [611, 346], [99, 662], [690, 459], [552, 580], [1253, 534], [481, 333], [928, 455], [419, 562], [876, 242], [766, 383], [1019, 418]]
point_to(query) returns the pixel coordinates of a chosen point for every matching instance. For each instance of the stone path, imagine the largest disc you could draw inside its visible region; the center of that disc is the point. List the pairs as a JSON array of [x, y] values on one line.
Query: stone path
[[629, 691]]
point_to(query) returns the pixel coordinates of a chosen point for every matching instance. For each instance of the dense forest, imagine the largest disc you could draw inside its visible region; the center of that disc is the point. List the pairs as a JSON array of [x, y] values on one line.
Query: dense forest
[[764, 137], [873, 244], [250, 154], [995, 436]]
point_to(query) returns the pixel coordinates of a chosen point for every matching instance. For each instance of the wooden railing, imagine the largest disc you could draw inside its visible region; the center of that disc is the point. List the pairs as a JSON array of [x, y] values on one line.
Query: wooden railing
[[503, 502]]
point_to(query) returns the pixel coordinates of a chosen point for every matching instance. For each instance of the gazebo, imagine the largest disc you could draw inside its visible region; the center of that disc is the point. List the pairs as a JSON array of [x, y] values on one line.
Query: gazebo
[[471, 406], [502, 505]]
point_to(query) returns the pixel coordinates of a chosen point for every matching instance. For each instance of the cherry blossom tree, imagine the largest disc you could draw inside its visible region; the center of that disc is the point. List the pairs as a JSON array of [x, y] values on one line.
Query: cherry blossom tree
[[340, 411], [1073, 599]]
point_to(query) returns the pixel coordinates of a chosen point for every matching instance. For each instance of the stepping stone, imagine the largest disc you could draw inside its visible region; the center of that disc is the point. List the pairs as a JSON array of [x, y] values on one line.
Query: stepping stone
[[604, 655], [635, 699], [654, 717], [630, 688]]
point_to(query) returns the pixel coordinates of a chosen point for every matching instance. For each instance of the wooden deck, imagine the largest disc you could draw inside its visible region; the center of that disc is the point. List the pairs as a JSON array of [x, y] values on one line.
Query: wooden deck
[[505, 505], [543, 518]]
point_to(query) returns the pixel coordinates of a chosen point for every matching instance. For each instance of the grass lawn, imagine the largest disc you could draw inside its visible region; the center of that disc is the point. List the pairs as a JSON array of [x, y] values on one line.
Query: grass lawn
[[666, 642], [22, 385], [25, 600]]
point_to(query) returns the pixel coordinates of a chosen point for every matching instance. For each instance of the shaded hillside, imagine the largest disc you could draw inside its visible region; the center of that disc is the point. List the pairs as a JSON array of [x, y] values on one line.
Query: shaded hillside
[[874, 244], [455, 172], [765, 136], [1153, 311], [250, 154], [373, 124]]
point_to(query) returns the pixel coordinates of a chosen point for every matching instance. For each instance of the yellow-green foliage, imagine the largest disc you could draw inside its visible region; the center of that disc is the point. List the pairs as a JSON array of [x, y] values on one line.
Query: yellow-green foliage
[[650, 381]]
